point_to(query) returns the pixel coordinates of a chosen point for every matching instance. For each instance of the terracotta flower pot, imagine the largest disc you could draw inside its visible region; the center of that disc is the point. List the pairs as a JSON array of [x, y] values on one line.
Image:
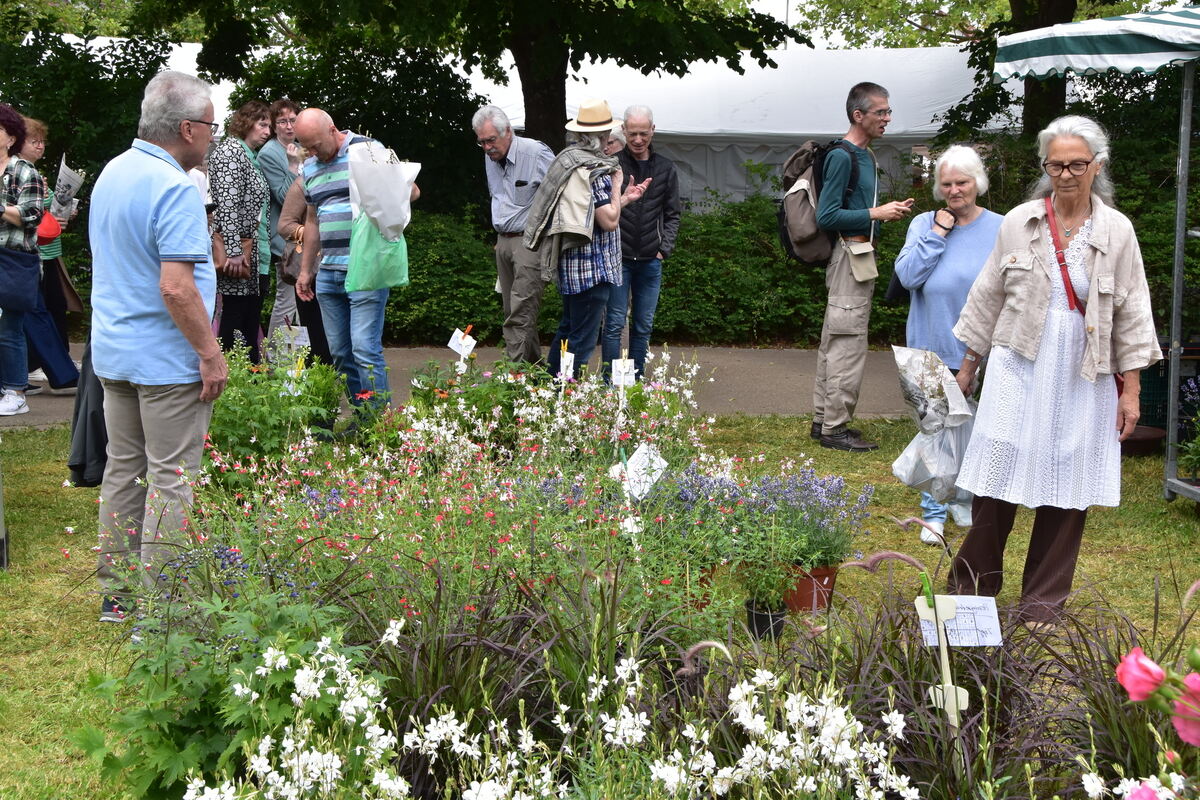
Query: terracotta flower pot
[[812, 589]]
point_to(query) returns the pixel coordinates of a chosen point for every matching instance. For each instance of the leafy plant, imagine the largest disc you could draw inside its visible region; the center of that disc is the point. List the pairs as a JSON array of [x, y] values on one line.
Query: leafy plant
[[266, 406]]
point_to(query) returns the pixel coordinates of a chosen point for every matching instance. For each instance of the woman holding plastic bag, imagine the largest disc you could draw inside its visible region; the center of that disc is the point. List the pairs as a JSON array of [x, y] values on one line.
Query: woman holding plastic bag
[[942, 255], [1061, 307]]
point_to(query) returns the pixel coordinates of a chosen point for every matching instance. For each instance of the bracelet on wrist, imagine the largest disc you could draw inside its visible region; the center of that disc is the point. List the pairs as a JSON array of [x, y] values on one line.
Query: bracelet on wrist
[[970, 357]]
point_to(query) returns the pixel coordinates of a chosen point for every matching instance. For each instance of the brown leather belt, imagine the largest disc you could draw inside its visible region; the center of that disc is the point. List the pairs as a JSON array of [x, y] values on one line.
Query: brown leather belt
[[508, 235], [859, 238]]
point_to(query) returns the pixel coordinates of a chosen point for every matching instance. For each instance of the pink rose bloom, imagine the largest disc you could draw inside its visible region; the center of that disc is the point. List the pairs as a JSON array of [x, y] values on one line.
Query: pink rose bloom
[[1139, 675], [1187, 710], [1143, 792]]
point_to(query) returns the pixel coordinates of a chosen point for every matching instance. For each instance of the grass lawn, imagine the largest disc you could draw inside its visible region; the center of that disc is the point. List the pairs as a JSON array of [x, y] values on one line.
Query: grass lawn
[[1143, 552]]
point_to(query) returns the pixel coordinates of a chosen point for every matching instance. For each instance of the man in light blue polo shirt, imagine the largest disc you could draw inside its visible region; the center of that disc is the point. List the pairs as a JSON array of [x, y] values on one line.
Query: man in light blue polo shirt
[[153, 292]]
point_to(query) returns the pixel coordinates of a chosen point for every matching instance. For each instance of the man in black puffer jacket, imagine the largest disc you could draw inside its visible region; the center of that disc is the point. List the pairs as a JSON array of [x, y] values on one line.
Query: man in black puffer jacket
[[648, 230]]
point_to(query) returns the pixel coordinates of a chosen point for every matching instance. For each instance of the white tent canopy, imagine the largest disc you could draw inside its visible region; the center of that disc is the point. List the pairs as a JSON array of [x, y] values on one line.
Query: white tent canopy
[[712, 120]]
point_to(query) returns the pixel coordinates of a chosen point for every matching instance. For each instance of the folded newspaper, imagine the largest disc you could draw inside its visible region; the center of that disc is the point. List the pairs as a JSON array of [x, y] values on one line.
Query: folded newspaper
[[65, 189], [930, 390]]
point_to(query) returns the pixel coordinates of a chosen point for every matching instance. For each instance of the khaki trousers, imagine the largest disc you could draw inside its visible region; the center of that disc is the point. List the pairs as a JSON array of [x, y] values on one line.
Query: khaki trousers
[[978, 567], [842, 355], [155, 442], [521, 288]]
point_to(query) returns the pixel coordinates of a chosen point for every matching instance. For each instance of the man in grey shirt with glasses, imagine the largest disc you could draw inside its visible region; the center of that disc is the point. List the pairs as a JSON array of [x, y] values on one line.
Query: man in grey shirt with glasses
[[515, 167]]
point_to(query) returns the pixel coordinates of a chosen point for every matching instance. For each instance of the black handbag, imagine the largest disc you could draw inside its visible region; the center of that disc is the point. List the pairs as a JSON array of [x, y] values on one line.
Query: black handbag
[[20, 273]]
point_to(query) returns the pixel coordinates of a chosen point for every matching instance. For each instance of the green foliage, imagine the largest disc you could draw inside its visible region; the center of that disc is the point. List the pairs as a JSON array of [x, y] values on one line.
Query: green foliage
[[173, 704], [452, 278], [265, 406], [426, 118]]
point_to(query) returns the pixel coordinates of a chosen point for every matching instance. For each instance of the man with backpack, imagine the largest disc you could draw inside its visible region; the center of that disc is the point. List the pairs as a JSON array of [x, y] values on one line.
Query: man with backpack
[[849, 211]]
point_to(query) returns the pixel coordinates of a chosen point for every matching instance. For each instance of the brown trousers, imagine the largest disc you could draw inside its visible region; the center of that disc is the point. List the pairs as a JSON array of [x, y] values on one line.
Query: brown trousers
[[978, 567]]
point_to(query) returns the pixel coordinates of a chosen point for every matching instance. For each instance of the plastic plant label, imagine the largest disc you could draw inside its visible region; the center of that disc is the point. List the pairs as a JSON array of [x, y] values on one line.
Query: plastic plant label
[[975, 623], [645, 467], [566, 365], [461, 343], [623, 372]]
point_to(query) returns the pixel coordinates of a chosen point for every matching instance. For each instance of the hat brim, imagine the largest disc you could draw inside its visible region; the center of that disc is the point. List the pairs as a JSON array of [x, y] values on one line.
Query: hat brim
[[590, 127]]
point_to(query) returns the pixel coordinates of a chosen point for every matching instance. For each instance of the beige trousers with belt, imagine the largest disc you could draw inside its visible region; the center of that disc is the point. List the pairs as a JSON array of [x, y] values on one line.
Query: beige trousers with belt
[[842, 355]]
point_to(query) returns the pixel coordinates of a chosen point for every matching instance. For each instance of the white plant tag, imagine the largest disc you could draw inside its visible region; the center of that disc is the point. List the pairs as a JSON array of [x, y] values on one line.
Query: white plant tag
[[623, 372], [646, 466], [975, 623], [461, 343], [566, 365]]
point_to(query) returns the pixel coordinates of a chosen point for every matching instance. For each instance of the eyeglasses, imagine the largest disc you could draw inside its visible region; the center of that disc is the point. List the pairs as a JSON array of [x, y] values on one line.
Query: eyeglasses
[[1076, 168], [488, 142], [212, 126], [880, 112], [287, 122]]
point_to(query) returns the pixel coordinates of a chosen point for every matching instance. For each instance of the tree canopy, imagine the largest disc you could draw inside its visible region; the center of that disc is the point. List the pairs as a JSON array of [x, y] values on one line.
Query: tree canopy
[[545, 37]]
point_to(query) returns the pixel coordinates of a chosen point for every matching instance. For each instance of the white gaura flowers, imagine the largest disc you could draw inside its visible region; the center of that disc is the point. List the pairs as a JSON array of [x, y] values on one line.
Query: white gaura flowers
[[894, 721], [392, 634]]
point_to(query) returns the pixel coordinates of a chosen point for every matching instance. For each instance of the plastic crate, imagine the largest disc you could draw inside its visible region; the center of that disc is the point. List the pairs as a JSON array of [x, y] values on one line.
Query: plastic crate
[[1154, 385]]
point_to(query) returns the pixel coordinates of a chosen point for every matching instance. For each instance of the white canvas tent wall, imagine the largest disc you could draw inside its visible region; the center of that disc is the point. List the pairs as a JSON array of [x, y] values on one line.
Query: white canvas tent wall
[[1134, 43], [713, 120]]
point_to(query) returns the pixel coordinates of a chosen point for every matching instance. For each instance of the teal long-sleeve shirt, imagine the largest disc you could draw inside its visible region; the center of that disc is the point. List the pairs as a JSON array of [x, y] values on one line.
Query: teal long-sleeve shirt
[[854, 218]]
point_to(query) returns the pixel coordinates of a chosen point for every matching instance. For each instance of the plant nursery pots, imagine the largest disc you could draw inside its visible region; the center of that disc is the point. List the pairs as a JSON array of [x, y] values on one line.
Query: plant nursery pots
[[764, 624], [812, 589]]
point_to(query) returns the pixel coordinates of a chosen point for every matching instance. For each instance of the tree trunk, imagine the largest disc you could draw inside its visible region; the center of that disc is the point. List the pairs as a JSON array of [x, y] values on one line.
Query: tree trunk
[[542, 66], [1044, 99]]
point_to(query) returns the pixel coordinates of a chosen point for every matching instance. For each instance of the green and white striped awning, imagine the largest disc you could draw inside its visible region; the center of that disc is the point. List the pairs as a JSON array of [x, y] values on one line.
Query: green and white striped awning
[[1132, 43]]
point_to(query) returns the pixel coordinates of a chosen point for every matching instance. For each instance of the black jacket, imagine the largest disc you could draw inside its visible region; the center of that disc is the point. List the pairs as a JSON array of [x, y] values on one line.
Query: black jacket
[[649, 225]]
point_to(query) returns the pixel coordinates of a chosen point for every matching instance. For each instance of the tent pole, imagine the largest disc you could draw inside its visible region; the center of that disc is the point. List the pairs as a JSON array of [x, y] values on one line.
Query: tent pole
[[1181, 196]]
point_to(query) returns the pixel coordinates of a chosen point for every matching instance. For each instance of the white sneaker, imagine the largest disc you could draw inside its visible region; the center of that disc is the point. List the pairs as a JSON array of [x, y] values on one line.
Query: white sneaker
[[934, 536], [38, 375], [12, 403], [961, 513]]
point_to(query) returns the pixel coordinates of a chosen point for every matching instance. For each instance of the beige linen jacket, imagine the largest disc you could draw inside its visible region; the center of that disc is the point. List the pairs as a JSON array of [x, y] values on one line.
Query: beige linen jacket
[[1008, 301]]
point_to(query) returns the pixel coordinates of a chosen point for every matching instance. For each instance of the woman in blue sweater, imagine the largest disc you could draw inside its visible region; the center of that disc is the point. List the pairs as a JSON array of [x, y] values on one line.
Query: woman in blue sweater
[[942, 255]]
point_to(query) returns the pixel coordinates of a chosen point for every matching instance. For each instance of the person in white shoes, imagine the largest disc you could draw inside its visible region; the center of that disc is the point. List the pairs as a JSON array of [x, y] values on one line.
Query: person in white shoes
[[22, 198]]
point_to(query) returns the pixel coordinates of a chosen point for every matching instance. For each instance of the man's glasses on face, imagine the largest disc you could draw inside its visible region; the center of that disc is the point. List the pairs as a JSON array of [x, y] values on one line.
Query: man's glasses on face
[[488, 142], [212, 126]]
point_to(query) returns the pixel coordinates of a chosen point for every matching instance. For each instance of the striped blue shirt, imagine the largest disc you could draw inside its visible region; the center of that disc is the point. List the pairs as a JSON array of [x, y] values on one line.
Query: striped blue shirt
[[327, 188]]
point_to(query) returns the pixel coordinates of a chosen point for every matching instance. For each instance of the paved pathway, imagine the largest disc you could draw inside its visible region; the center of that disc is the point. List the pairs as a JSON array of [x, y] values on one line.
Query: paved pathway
[[749, 381]]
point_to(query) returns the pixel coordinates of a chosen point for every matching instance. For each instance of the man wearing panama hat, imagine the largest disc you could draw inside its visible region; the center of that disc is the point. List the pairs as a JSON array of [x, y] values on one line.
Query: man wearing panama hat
[[574, 225]]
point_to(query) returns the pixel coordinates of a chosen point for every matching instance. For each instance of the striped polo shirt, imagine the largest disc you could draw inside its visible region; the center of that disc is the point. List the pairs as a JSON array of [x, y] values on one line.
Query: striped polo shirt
[[327, 188]]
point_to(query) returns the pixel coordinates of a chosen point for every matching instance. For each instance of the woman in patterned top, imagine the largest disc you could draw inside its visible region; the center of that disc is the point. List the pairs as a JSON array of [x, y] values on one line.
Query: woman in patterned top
[[241, 194], [22, 197]]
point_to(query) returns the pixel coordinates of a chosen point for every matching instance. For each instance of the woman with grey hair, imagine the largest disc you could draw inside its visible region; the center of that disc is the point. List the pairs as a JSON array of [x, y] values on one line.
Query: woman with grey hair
[[1060, 308], [941, 258]]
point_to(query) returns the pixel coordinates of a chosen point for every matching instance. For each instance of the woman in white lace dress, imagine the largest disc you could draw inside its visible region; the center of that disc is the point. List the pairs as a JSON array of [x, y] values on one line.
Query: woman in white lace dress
[[1051, 417]]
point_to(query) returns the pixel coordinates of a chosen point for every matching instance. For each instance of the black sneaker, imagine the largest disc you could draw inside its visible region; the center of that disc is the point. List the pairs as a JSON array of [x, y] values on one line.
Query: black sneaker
[[815, 433], [33, 388], [847, 440], [111, 610]]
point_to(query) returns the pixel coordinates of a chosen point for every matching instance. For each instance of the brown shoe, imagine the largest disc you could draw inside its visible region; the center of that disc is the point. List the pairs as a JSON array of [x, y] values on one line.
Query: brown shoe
[[847, 440]]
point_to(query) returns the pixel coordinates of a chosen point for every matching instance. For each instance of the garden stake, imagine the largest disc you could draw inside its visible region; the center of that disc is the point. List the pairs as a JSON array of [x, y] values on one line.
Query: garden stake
[[948, 697]]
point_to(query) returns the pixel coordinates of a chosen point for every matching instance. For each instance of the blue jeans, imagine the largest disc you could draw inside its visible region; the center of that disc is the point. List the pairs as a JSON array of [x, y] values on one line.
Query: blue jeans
[[641, 283], [354, 329], [932, 510], [46, 345], [580, 326], [14, 360]]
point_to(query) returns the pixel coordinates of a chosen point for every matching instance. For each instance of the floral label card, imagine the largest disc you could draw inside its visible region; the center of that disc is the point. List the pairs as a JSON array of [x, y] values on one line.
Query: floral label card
[[623, 372], [975, 622], [645, 467], [566, 365], [461, 343]]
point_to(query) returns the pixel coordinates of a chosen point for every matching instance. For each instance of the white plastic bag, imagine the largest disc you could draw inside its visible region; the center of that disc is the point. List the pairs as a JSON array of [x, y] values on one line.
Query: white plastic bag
[[380, 187], [932, 460], [930, 390]]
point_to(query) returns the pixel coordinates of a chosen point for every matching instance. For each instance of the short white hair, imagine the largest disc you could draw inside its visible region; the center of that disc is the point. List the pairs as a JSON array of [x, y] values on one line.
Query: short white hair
[[170, 98], [641, 112], [1093, 136], [964, 159], [494, 115]]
